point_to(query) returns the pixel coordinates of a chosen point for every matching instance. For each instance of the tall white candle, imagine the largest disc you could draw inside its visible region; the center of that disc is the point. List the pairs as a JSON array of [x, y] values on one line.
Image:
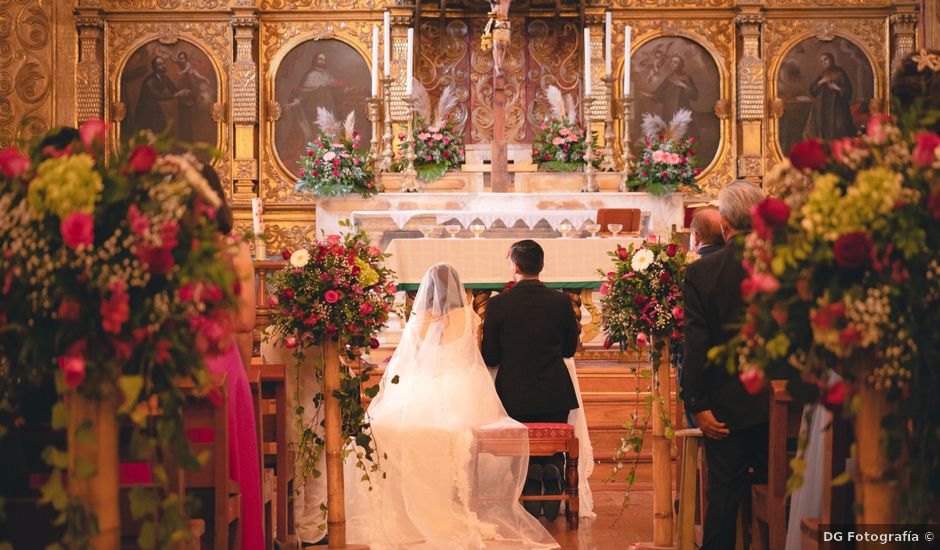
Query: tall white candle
[[587, 61], [608, 28], [387, 43], [375, 61], [627, 36], [409, 72], [257, 222]]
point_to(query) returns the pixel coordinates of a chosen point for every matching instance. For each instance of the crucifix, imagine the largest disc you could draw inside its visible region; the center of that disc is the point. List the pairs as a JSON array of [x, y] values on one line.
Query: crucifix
[[497, 36]]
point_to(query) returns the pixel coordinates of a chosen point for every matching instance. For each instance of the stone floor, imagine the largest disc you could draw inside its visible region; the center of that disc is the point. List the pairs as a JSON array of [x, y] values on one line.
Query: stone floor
[[615, 528]]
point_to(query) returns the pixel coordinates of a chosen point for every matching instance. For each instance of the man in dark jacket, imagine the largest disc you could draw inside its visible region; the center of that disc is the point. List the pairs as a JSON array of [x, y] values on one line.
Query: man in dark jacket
[[528, 331], [734, 422]]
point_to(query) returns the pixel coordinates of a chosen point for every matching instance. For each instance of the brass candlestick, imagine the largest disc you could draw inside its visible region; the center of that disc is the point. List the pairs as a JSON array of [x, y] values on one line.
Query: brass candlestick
[[590, 185], [410, 183], [609, 163], [625, 106], [387, 153], [375, 116]]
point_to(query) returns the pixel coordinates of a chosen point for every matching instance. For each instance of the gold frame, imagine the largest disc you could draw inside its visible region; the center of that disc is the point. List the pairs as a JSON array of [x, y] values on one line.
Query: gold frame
[[781, 36], [277, 41], [218, 51], [721, 169]]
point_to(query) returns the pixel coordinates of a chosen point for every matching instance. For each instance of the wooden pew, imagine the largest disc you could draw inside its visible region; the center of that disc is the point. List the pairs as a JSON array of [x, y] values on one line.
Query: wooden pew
[[837, 501], [267, 474], [769, 501]]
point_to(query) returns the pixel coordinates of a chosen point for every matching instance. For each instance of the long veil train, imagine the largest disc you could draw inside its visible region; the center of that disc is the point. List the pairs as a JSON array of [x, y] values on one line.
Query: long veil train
[[436, 490]]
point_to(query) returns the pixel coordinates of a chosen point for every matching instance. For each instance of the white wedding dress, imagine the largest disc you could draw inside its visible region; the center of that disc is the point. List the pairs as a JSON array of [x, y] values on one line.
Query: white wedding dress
[[438, 491]]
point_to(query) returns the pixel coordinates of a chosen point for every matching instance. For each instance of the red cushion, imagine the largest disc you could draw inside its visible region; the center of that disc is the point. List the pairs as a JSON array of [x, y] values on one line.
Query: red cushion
[[539, 430]]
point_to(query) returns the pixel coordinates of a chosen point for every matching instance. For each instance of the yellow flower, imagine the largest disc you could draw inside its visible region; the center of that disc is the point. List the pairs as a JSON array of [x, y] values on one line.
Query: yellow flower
[[367, 275], [64, 185]]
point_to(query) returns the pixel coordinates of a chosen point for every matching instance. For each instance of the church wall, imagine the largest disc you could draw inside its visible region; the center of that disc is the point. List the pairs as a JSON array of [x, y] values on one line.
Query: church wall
[[65, 61]]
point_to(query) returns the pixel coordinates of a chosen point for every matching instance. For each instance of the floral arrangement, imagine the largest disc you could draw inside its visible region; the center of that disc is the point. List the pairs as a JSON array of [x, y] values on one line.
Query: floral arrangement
[[333, 165], [641, 305], [336, 289], [668, 162], [438, 141], [115, 287], [560, 143], [844, 277]]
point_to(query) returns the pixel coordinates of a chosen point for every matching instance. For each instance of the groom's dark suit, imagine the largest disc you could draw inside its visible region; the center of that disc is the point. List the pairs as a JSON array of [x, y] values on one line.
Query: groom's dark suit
[[528, 330]]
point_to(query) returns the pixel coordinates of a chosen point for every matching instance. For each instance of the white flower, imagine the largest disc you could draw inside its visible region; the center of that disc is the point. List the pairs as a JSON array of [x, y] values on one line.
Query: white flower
[[642, 259], [299, 258]]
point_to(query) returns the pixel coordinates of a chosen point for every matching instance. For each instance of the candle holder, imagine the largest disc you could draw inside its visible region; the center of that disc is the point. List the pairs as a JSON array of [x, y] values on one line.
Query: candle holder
[[387, 153], [375, 116], [410, 183], [626, 140], [590, 184], [609, 163]]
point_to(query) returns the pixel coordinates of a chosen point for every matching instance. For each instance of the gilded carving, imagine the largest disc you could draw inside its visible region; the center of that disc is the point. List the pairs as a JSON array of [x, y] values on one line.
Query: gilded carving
[[26, 69], [442, 62], [218, 112], [481, 75], [723, 109], [273, 110], [167, 4], [291, 237], [673, 3], [325, 4], [553, 51], [245, 169]]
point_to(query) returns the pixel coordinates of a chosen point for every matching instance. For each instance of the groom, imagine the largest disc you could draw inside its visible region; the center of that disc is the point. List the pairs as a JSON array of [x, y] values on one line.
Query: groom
[[527, 332]]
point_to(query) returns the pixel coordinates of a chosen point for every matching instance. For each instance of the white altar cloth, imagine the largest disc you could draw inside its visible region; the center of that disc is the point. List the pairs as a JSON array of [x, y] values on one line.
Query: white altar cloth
[[530, 217], [483, 263], [664, 211]]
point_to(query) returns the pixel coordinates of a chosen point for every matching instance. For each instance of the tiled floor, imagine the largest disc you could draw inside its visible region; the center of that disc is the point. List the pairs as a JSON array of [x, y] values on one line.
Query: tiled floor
[[615, 528]]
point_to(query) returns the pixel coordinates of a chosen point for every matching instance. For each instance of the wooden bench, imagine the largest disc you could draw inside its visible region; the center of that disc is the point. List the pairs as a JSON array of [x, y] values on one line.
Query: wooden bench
[[837, 500], [267, 474]]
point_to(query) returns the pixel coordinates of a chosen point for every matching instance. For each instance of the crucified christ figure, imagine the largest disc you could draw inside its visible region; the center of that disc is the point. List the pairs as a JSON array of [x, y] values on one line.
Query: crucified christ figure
[[499, 28]]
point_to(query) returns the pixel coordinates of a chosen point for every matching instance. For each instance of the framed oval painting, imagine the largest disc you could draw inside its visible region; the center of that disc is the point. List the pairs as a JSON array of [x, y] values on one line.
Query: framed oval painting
[[172, 88], [671, 73], [826, 89], [315, 74]]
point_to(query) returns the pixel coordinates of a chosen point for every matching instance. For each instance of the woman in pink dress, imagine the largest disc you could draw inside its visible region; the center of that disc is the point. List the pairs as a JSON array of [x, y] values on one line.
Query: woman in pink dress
[[242, 439]]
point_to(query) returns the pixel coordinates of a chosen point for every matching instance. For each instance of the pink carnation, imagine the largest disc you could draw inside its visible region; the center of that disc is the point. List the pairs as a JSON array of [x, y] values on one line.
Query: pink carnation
[[72, 364], [78, 228], [753, 380]]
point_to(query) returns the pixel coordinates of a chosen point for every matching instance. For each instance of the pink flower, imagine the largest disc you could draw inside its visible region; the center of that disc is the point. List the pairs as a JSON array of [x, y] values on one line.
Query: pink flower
[[605, 288], [641, 339], [826, 317], [878, 129], [92, 135], [842, 148], [753, 380], [835, 394], [78, 228], [438, 136], [759, 282], [564, 132], [168, 232], [391, 289], [69, 310], [290, 342], [115, 310], [13, 162], [558, 140], [542, 126], [273, 301], [446, 141], [332, 240], [331, 296], [365, 308], [139, 223], [158, 259], [779, 315], [678, 313], [622, 253], [72, 364], [926, 148], [336, 173], [142, 159]]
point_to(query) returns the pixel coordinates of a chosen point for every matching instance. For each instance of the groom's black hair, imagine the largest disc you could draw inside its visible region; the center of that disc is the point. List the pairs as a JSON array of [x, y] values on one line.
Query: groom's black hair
[[528, 256]]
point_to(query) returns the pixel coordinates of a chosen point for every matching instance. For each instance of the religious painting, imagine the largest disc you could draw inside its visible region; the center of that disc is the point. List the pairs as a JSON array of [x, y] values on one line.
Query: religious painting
[[315, 74], [826, 89], [672, 73], [170, 88]]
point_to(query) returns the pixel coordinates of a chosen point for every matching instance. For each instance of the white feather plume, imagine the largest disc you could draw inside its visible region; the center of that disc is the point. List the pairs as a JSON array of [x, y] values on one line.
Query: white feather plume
[[680, 123], [350, 125], [572, 108], [422, 104], [447, 101], [556, 102], [653, 125], [327, 122]]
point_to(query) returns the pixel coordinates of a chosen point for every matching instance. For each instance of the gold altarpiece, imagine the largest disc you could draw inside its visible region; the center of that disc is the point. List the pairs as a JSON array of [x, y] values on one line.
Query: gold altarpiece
[[61, 62]]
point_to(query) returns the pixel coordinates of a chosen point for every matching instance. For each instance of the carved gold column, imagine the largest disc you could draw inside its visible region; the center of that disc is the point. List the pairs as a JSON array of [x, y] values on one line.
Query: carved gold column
[[596, 115], [244, 105], [402, 18], [88, 74], [750, 93], [931, 38], [903, 33]]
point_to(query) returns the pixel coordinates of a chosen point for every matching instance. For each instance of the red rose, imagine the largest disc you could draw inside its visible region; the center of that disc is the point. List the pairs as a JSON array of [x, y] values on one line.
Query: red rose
[[826, 317], [753, 380], [773, 211], [72, 364], [290, 342], [158, 259], [285, 254], [142, 159], [639, 300], [622, 253], [162, 353], [808, 155], [852, 250], [933, 205], [835, 394], [365, 308], [13, 162], [78, 228], [69, 310], [287, 293], [92, 135], [665, 277], [139, 223], [115, 310], [608, 343], [671, 250], [925, 149], [331, 296], [273, 301], [842, 148], [849, 337], [374, 343]]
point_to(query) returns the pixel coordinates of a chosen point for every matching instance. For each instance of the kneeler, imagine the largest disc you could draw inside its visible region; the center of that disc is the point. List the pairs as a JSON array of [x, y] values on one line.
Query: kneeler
[[545, 439]]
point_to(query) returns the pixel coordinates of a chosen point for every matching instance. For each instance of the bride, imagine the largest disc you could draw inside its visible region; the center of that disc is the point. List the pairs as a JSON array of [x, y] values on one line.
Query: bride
[[436, 488]]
